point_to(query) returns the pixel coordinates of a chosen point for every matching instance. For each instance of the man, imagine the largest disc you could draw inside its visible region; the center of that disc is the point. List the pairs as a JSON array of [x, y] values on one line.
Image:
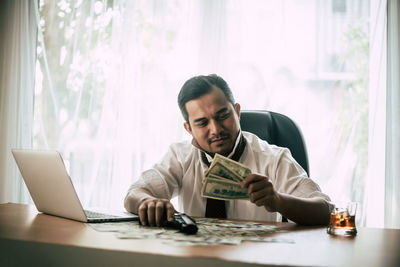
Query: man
[[277, 187]]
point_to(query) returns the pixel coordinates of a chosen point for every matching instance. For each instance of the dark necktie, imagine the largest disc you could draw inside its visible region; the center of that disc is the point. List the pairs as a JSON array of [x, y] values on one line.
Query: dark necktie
[[215, 208]]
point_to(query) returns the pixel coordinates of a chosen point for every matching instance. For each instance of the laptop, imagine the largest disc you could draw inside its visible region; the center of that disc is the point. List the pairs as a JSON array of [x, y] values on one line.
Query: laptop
[[52, 190]]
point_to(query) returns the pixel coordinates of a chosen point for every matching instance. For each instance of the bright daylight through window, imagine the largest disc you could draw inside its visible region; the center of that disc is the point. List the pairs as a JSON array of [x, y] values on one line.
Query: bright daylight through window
[[108, 74]]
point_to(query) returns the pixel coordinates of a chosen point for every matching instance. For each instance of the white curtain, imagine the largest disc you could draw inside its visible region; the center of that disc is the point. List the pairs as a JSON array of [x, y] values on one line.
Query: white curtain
[[17, 77], [373, 204], [109, 74], [392, 166], [381, 207], [106, 88]]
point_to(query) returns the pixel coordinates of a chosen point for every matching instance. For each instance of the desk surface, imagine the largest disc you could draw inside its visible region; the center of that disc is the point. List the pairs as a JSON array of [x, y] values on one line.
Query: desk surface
[[29, 237]]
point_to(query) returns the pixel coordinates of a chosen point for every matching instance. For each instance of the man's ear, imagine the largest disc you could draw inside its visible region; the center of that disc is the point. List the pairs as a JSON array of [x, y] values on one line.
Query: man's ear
[[188, 128], [237, 109]]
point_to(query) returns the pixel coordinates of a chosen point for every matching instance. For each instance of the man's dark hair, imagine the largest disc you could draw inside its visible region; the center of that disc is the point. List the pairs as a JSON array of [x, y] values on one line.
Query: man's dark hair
[[198, 86]]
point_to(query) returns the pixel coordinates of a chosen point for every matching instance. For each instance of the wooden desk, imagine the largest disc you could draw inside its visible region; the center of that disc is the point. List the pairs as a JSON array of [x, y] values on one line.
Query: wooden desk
[[28, 238]]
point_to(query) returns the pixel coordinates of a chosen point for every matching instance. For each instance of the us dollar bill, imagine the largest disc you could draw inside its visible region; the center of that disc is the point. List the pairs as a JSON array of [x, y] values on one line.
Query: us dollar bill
[[223, 178], [230, 169], [223, 189], [215, 177], [234, 166], [219, 169]]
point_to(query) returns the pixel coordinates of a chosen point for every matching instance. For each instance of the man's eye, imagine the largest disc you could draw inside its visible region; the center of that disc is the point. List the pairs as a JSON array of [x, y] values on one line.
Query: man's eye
[[202, 124], [224, 116]]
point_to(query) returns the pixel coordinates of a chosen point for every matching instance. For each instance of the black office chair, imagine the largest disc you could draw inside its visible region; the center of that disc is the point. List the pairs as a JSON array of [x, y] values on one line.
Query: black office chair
[[276, 129]]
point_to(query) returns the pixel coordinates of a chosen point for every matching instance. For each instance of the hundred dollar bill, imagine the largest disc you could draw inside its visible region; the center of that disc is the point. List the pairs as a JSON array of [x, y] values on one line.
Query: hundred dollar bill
[[223, 189], [219, 169], [230, 169], [217, 177], [238, 168]]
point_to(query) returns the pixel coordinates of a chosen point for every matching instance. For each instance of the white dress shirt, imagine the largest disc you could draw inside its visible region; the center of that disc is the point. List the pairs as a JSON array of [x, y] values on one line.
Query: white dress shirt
[[181, 171]]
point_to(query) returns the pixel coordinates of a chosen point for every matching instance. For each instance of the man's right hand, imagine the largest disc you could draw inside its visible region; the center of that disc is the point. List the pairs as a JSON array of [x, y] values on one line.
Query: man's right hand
[[153, 211]]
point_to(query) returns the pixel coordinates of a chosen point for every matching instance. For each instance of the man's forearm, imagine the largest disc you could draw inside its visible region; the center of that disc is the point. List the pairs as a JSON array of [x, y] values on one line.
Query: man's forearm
[[134, 198], [306, 211]]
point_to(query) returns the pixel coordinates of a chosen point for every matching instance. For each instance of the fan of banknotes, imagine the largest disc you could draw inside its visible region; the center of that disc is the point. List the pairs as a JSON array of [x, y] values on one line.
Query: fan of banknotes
[[223, 178]]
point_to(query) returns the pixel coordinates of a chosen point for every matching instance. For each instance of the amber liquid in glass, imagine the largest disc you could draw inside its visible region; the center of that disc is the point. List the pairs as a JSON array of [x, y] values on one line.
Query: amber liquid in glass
[[342, 224]]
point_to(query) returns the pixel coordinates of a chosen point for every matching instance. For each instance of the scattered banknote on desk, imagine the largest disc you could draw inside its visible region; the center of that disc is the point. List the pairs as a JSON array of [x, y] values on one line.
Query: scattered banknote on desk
[[211, 232], [223, 178]]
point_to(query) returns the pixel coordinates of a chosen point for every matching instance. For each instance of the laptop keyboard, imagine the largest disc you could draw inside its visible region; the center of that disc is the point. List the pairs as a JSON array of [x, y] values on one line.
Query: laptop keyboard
[[93, 214]]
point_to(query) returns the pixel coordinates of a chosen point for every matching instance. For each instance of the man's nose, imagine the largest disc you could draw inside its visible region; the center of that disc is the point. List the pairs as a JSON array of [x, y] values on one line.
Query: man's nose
[[214, 127]]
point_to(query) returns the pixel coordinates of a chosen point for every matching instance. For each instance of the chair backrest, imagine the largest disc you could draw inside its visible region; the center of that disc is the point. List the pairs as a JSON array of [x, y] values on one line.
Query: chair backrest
[[277, 129]]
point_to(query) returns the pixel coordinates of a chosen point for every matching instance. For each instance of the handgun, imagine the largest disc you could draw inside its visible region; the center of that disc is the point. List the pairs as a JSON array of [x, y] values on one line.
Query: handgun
[[183, 223]]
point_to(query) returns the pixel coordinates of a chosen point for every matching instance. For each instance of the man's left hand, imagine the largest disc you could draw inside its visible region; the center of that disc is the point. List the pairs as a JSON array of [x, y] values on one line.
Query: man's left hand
[[262, 192]]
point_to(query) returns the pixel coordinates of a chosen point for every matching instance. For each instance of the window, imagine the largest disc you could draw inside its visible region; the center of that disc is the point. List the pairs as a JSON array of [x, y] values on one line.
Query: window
[[108, 75]]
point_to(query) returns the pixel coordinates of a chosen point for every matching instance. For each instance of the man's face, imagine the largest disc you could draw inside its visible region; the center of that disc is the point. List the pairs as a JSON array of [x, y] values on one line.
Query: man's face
[[214, 122]]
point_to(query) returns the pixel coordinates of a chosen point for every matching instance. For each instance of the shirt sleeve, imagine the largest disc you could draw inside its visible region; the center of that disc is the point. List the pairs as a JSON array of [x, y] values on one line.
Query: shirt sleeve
[[291, 178], [163, 180]]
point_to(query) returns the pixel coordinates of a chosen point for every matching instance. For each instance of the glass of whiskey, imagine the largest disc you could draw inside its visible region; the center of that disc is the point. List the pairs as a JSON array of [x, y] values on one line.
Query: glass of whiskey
[[343, 220]]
